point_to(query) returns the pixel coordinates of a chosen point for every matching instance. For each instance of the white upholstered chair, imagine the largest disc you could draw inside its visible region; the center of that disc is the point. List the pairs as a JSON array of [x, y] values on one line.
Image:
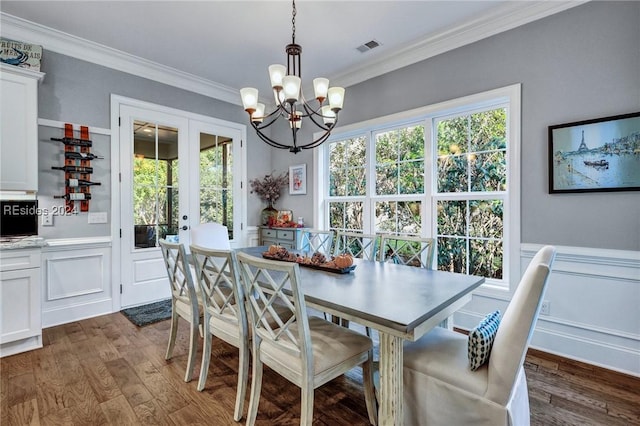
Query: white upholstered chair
[[224, 313], [441, 389], [184, 300], [313, 240], [211, 235], [307, 351]]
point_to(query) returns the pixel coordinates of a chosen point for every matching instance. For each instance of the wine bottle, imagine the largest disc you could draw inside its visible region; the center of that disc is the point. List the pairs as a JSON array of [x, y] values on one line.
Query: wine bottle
[[75, 196], [75, 169], [81, 156], [72, 183], [73, 141]]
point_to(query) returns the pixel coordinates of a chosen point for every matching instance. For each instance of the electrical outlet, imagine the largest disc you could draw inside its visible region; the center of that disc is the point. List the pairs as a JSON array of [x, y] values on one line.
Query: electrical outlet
[[545, 309], [47, 220]]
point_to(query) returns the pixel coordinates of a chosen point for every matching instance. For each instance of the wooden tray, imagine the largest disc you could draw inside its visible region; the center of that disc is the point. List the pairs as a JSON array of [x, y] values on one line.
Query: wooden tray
[[313, 266]]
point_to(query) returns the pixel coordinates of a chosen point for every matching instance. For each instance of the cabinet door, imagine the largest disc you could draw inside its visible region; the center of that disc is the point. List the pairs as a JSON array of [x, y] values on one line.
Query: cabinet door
[[19, 137], [20, 304]]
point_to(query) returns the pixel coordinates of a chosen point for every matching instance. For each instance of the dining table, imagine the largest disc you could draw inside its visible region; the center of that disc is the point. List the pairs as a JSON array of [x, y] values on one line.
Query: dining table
[[401, 302]]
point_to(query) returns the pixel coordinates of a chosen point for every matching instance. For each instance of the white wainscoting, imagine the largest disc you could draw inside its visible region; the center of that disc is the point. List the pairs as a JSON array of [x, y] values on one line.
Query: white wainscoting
[[76, 276], [594, 316]]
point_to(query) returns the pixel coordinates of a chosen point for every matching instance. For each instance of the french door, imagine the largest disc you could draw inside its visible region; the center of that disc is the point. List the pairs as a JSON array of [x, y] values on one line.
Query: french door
[[175, 172]]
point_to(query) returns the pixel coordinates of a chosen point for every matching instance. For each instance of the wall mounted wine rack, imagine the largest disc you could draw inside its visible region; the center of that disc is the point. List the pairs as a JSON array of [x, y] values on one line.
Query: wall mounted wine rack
[[77, 168]]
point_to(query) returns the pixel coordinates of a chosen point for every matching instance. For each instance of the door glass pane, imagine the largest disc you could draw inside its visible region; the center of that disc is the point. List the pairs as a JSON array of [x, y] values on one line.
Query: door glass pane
[[216, 180], [155, 183]]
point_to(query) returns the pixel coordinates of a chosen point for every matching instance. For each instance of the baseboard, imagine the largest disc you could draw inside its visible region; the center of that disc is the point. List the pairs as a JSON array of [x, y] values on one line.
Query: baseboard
[[70, 313]]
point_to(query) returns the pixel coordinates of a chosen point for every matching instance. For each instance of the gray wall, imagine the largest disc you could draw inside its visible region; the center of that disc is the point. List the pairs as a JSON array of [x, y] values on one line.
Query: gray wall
[[580, 64], [79, 92]]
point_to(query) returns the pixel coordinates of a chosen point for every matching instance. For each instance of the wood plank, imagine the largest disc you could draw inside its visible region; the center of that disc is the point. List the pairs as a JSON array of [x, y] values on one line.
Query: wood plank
[[23, 413], [118, 411], [21, 389], [49, 381], [96, 373], [130, 385], [84, 405], [163, 391], [151, 413]]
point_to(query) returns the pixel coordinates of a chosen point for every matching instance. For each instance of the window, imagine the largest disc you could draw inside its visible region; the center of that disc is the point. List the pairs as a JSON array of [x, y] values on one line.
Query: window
[[216, 180], [471, 183], [448, 171]]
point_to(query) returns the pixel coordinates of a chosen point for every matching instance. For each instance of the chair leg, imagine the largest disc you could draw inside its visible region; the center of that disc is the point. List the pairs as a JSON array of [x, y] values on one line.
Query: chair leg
[[243, 376], [206, 358], [369, 390], [306, 410], [193, 351], [256, 385], [172, 333]]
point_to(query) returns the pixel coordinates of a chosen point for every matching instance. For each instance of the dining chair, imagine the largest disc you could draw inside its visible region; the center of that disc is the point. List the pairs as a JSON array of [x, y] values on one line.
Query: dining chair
[[184, 300], [211, 235], [407, 250], [224, 313], [363, 246], [440, 388], [314, 240], [307, 351]]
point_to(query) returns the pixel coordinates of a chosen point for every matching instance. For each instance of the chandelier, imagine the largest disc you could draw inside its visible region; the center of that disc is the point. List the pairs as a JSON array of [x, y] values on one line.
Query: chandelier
[[290, 103]]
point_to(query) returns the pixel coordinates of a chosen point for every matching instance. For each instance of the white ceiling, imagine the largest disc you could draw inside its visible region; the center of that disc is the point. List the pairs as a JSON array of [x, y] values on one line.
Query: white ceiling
[[232, 43]]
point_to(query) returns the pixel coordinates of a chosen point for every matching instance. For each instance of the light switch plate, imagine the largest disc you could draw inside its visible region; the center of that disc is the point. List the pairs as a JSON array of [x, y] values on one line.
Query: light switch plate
[[47, 220], [98, 217]]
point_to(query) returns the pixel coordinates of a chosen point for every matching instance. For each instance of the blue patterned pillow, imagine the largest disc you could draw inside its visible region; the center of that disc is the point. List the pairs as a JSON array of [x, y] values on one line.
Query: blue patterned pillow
[[481, 340]]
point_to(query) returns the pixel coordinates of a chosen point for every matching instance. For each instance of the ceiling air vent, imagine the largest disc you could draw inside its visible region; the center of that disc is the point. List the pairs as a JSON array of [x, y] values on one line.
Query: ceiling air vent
[[368, 46]]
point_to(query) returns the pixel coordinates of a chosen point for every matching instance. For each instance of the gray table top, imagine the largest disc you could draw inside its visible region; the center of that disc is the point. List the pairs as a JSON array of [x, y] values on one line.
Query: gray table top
[[398, 296]]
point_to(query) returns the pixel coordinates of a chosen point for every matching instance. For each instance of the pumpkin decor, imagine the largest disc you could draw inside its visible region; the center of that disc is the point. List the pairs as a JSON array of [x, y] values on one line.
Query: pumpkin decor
[[273, 249], [343, 261]]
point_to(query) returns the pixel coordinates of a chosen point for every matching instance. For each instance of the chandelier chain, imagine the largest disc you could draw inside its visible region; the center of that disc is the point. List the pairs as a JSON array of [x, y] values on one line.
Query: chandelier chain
[[293, 21]]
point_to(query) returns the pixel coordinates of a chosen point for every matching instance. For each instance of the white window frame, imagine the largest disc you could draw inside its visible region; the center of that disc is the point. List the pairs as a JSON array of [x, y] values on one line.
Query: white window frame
[[509, 97]]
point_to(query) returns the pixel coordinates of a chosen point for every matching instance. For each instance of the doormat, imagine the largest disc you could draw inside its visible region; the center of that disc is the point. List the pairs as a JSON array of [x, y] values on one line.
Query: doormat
[[149, 314]]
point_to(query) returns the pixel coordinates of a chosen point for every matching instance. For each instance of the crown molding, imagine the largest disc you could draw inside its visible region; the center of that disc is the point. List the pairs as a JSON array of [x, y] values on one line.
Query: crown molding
[[509, 16], [76, 47]]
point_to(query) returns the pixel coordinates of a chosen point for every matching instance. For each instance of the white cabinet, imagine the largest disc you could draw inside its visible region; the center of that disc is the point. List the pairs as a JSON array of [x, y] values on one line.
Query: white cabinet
[[19, 130], [20, 311]]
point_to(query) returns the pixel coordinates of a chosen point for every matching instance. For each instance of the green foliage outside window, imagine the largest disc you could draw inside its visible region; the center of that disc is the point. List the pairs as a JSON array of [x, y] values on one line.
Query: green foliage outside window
[[472, 159], [470, 162], [216, 186]]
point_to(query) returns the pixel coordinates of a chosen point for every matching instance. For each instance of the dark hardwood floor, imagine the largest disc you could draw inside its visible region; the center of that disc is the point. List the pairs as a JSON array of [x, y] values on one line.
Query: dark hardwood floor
[[106, 371]]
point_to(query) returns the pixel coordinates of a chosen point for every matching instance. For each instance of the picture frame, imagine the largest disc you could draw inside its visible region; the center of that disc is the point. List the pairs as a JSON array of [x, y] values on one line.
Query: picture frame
[[298, 179], [598, 155]]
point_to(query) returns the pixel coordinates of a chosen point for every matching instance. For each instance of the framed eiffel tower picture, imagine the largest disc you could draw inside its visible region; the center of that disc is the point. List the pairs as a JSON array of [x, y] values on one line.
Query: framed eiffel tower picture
[[598, 155]]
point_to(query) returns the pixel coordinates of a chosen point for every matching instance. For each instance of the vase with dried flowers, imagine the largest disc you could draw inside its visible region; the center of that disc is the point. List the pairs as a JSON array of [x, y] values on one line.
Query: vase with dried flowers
[[268, 189]]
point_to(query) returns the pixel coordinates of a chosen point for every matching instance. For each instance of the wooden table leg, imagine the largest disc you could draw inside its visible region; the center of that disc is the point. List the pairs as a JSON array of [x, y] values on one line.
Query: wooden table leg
[[391, 383]]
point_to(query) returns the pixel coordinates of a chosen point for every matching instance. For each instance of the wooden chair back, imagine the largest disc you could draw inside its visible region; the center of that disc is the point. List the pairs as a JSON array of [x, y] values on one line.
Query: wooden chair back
[[180, 279], [314, 240], [363, 246], [220, 286], [277, 312], [407, 250]]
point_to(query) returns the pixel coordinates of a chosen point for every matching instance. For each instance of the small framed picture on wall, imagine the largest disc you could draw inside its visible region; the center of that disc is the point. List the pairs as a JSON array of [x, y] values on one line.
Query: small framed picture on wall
[[298, 179]]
